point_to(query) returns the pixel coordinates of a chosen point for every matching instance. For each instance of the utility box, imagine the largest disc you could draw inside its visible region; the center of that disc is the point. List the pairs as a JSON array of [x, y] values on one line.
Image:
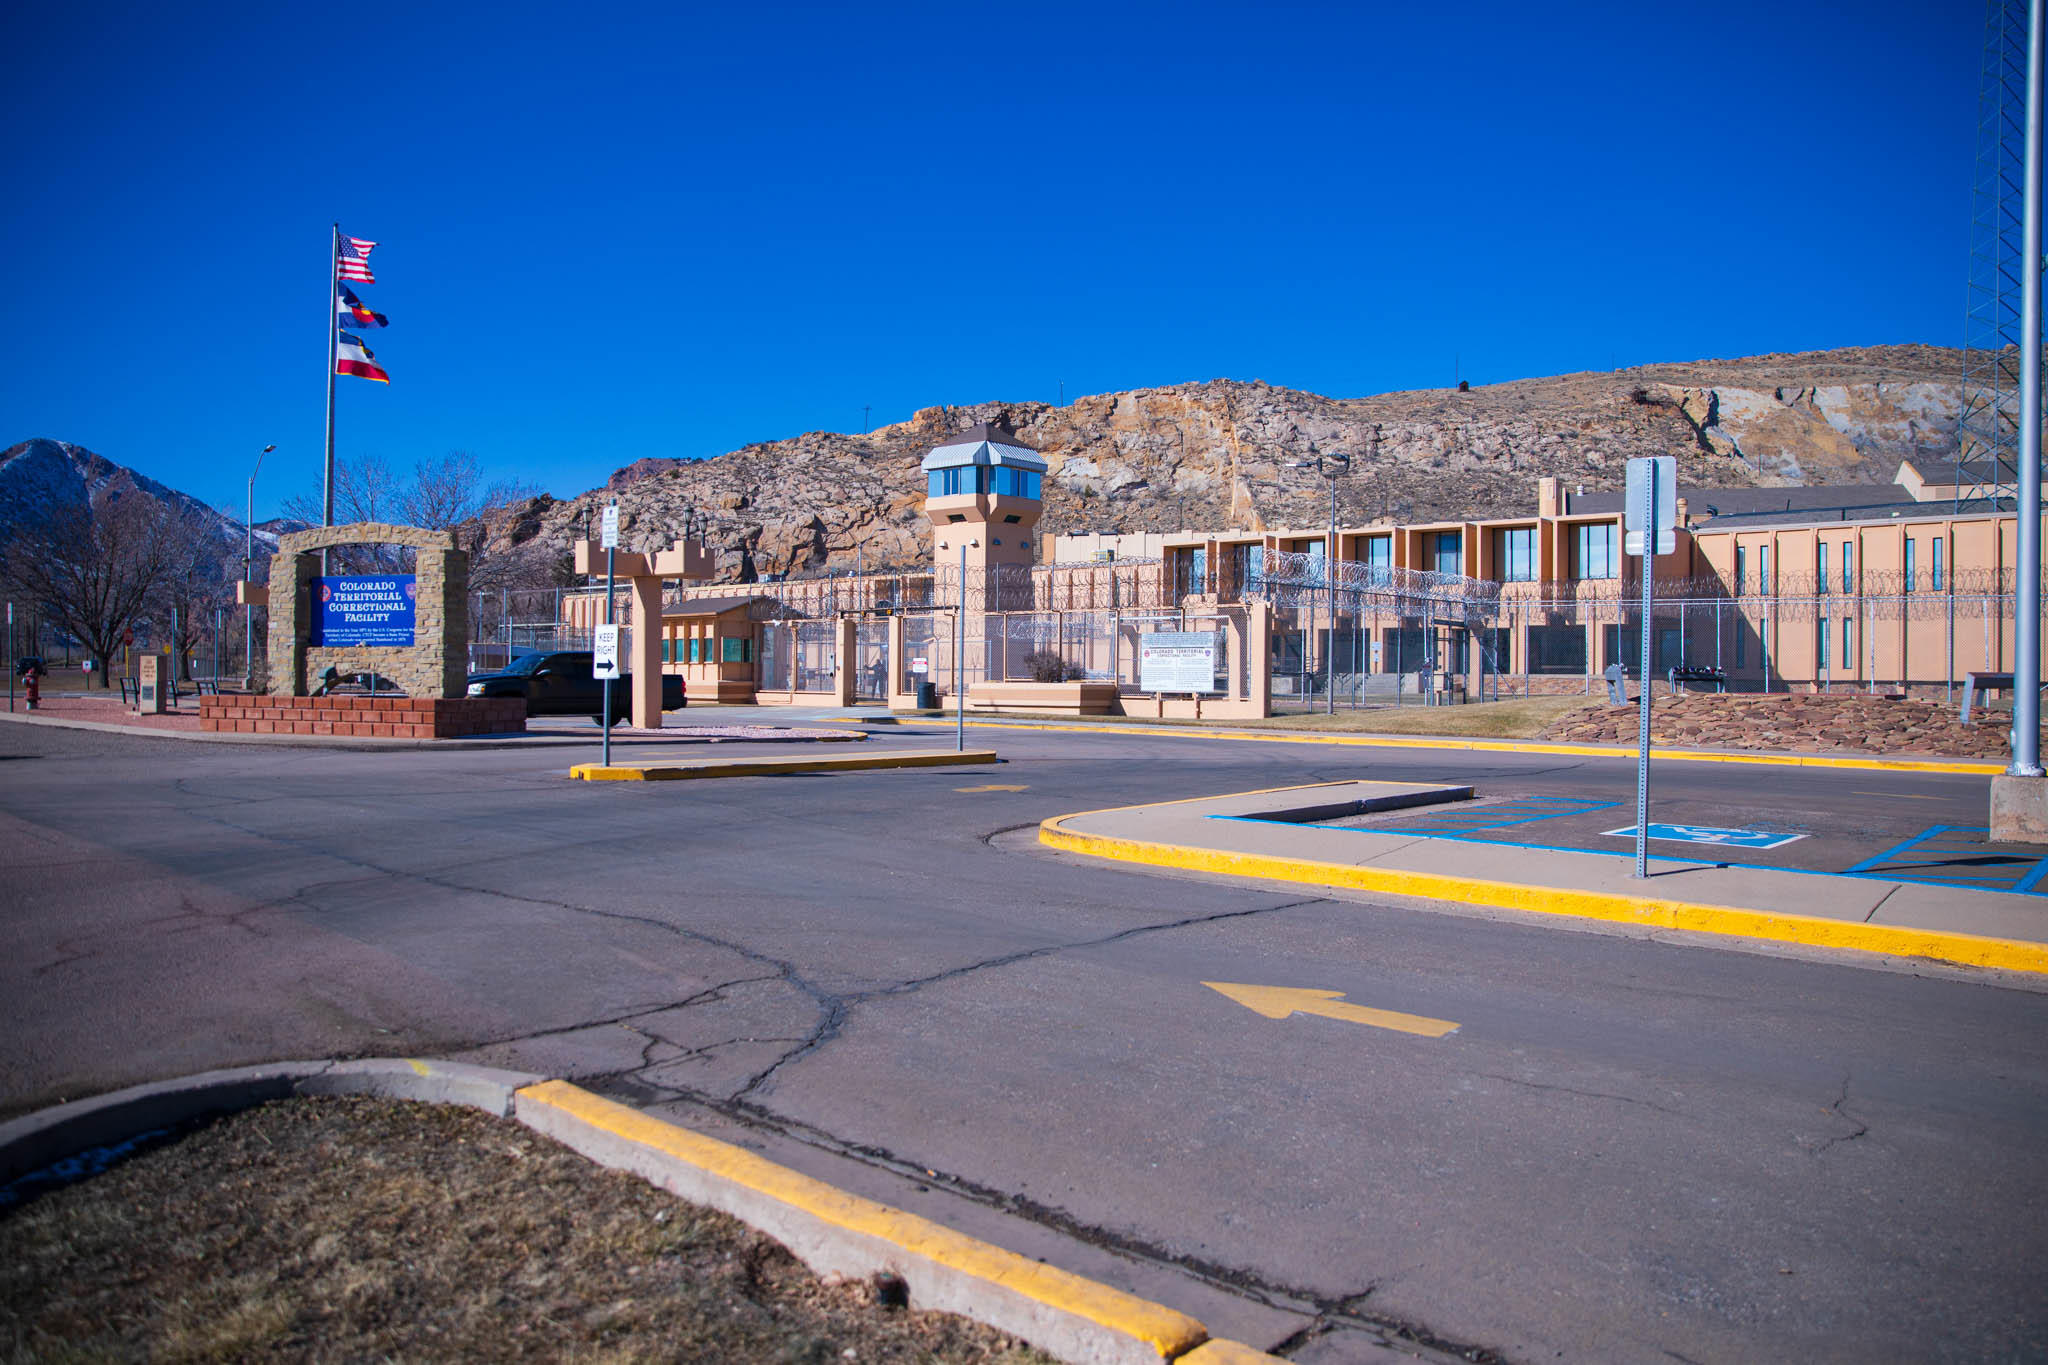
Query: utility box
[[153, 683]]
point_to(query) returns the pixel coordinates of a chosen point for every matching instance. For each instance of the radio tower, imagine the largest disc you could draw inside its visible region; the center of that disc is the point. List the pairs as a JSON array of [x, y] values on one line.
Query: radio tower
[[1987, 430]]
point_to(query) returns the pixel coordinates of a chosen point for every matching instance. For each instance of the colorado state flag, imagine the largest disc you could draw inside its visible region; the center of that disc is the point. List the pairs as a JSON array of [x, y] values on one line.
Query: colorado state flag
[[353, 312]]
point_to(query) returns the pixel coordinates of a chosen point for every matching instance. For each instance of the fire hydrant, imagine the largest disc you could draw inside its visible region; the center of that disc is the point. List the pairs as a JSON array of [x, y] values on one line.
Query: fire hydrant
[[33, 679]]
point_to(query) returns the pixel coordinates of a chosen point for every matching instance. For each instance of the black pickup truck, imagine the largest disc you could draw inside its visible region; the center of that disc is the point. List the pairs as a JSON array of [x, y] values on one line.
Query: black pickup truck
[[564, 684]]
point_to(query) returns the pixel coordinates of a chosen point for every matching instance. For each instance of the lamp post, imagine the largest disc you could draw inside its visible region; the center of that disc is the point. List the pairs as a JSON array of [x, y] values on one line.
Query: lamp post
[[248, 572], [1329, 466]]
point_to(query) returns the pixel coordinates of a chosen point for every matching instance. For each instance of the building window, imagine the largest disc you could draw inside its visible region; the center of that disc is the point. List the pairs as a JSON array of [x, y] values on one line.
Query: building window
[[1741, 574], [1823, 624], [1515, 552], [1911, 546], [1191, 572], [1848, 567], [1820, 562], [1934, 564], [947, 483], [1848, 642], [1763, 569], [1593, 552], [1250, 562], [1557, 649], [1741, 637], [1449, 553], [1379, 558], [737, 650], [1012, 482]]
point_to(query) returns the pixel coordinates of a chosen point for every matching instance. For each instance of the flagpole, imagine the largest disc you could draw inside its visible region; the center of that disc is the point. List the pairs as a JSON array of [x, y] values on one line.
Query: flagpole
[[333, 355]]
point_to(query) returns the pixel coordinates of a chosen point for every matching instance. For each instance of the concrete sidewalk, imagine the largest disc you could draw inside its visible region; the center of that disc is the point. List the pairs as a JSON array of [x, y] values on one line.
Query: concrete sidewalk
[[1267, 835]]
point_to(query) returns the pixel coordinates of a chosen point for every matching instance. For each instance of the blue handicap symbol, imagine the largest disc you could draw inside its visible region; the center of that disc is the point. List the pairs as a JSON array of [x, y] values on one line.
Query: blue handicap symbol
[[1712, 835]]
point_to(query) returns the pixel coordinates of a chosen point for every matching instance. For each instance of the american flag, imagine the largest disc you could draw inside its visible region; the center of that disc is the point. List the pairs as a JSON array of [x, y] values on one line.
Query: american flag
[[354, 263]]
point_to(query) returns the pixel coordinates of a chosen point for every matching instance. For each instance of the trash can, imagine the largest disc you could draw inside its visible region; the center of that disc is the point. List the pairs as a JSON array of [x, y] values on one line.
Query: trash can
[[927, 696]]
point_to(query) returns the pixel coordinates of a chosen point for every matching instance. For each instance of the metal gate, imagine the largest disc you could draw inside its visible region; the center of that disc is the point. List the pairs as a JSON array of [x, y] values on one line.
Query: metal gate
[[871, 661]]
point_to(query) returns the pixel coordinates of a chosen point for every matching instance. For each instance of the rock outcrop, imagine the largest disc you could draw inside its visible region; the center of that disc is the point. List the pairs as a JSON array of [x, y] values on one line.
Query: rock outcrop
[[1218, 454]]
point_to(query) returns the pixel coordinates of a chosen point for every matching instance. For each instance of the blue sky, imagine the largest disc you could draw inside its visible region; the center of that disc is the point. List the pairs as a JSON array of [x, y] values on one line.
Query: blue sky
[[610, 232]]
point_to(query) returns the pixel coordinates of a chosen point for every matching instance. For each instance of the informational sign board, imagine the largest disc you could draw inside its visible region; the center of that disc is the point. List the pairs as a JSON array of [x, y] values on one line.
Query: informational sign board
[[611, 527], [1664, 516], [1177, 661], [151, 683], [605, 647], [920, 666], [364, 609], [1712, 835]]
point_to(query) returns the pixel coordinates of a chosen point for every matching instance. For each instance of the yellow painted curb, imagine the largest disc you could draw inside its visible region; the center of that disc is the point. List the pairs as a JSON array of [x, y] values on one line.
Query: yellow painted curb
[[1959, 767], [1169, 1333], [1650, 911], [762, 767]]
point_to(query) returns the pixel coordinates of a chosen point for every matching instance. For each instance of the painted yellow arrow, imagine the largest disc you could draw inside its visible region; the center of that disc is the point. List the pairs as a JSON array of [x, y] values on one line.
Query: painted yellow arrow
[[992, 787], [1277, 1002]]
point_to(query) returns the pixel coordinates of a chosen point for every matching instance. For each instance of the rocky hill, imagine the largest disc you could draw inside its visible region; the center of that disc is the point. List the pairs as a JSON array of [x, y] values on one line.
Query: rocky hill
[[1216, 454]]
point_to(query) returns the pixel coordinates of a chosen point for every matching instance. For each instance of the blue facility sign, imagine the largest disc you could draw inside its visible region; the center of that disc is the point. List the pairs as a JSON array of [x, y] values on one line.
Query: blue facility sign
[[1709, 834], [363, 609]]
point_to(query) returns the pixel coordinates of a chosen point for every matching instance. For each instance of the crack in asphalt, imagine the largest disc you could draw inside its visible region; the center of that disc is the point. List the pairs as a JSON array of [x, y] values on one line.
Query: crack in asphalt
[[1327, 1312], [1837, 1109], [1588, 1094], [635, 1086]]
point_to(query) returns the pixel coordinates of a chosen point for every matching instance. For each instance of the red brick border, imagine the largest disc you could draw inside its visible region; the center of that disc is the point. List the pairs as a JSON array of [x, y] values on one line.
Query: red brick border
[[366, 717]]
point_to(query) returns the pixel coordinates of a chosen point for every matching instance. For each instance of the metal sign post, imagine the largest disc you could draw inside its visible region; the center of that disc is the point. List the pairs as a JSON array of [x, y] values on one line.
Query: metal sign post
[[1650, 518], [611, 562]]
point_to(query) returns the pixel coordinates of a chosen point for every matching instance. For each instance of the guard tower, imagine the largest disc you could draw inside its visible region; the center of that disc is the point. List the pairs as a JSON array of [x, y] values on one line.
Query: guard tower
[[982, 491]]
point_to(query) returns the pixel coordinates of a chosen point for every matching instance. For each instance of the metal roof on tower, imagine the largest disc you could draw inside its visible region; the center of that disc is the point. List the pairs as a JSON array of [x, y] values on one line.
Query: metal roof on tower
[[990, 443]]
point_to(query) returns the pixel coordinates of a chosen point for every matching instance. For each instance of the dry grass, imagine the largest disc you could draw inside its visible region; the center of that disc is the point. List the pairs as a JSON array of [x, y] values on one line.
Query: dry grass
[[1517, 718], [317, 1230]]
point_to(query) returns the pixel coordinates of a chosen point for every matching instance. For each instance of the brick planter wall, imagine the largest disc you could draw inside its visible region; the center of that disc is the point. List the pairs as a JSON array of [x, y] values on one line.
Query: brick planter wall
[[364, 717]]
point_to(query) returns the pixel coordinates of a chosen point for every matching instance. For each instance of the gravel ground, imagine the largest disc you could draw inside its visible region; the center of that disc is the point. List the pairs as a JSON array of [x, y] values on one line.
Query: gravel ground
[[349, 1229]]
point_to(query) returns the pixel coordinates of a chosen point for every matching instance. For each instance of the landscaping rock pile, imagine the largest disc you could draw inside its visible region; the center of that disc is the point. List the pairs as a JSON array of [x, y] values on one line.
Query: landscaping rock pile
[[1799, 723]]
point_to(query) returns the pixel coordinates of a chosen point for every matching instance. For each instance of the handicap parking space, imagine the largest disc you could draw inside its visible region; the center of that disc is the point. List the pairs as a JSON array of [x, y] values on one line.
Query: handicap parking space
[[1960, 855], [1747, 831]]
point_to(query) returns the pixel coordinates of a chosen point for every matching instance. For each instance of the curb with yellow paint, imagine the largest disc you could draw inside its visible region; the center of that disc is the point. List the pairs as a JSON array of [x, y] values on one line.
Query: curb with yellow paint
[[1655, 912], [834, 1232], [765, 767], [1954, 766], [825, 1227]]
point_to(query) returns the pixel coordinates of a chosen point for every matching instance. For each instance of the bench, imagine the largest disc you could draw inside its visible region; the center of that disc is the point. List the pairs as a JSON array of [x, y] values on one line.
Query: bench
[[1986, 682], [1697, 673], [131, 691]]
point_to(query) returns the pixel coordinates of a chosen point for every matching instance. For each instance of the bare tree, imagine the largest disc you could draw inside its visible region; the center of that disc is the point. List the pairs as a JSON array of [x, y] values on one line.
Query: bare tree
[[445, 494], [91, 571], [365, 489], [197, 571]]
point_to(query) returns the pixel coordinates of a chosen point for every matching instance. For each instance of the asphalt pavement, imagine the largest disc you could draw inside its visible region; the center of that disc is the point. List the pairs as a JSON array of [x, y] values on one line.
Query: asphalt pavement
[[1632, 1145]]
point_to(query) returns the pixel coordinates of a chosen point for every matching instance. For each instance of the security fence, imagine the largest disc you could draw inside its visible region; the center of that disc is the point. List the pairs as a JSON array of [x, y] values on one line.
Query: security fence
[[1349, 635], [1359, 634]]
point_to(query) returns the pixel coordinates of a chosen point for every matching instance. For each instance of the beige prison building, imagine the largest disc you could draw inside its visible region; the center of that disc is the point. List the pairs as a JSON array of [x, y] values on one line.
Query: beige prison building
[[1905, 587]]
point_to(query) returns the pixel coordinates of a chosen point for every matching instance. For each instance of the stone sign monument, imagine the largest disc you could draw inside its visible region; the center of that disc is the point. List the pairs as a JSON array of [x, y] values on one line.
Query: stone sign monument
[[408, 632]]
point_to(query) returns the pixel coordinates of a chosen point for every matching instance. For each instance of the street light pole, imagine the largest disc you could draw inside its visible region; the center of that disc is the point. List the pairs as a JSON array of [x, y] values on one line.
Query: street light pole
[[248, 576]]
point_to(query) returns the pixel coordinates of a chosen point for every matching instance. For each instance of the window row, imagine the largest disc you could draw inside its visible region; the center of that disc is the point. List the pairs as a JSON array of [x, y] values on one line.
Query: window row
[[1006, 481], [699, 649]]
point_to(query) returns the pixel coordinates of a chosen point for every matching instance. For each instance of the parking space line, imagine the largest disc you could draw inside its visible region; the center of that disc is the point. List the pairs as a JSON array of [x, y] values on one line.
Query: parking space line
[[1938, 857]]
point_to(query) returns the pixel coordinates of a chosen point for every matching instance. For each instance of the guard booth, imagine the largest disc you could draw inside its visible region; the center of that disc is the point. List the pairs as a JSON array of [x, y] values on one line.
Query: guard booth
[[714, 644]]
